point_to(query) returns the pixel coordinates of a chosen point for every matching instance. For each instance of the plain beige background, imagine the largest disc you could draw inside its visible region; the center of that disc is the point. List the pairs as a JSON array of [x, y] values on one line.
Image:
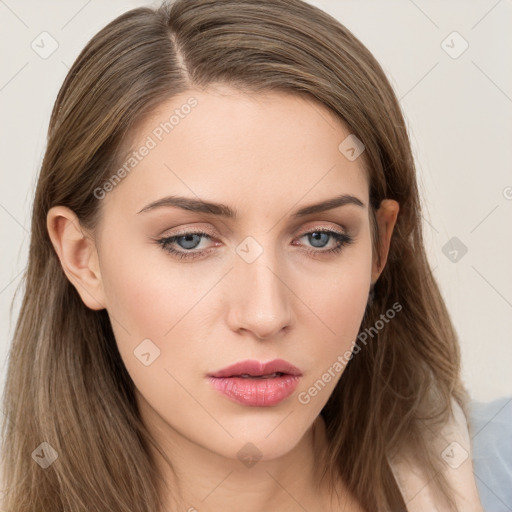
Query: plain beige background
[[458, 106]]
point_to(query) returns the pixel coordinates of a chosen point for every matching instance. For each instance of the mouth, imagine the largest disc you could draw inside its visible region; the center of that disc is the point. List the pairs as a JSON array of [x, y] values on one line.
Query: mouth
[[256, 369], [270, 376], [256, 384]]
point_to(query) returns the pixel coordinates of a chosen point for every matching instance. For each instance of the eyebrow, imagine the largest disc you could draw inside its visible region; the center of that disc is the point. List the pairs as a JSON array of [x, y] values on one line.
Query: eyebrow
[[222, 210]]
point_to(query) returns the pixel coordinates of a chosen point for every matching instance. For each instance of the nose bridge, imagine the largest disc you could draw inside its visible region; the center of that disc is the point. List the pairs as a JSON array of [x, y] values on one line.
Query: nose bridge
[[261, 302]]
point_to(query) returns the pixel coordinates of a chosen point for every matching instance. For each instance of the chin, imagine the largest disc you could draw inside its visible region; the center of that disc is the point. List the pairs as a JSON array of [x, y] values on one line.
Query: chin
[[268, 440]]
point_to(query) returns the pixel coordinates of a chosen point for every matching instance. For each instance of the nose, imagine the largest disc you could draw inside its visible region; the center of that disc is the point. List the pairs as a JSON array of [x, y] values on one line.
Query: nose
[[260, 300]]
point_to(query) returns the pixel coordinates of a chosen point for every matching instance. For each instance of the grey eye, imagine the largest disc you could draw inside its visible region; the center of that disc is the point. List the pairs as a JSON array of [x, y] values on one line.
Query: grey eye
[[191, 240], [318, 239]]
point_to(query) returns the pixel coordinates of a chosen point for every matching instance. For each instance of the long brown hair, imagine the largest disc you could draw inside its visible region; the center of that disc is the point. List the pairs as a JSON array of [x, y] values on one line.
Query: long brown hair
[[66, 384]]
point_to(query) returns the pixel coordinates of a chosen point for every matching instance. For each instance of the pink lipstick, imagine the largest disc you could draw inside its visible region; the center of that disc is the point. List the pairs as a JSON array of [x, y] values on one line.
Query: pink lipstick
[[257, 384]]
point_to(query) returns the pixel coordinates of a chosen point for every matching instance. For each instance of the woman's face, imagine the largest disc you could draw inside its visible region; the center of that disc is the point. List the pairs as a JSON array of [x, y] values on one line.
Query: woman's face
[[275, 278]]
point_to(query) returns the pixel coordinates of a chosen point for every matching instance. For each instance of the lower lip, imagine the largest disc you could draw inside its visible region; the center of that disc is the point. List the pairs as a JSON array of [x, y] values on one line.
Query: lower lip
[[256, 392]]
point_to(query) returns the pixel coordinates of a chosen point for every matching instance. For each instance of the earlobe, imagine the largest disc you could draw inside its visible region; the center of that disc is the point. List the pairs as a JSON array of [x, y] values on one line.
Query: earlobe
[[386, 217], [77, 254]]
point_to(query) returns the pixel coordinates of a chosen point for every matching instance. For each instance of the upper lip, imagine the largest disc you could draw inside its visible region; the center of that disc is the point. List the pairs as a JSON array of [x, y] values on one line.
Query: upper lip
[[257, 368]]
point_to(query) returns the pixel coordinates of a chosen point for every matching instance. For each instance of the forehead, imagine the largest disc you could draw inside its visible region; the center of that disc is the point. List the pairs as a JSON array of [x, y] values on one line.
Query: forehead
[[244, 148]]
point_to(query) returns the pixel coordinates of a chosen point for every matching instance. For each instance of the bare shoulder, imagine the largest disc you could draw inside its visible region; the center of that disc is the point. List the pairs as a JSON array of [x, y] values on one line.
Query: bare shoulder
[[454, 447]]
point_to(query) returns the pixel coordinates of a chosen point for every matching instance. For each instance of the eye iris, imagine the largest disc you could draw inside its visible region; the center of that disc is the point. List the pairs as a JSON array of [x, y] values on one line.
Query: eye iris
[[317, 237], [192, 239]]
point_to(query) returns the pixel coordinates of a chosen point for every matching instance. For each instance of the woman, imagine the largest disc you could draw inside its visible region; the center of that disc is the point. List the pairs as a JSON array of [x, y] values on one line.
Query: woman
[[228, 304]]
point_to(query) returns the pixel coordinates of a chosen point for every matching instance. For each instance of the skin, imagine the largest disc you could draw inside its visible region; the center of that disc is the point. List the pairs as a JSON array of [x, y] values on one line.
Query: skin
[[265, 156]]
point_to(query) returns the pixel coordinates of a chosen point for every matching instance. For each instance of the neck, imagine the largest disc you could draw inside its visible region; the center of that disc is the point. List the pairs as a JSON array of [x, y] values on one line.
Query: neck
[[204, 481]]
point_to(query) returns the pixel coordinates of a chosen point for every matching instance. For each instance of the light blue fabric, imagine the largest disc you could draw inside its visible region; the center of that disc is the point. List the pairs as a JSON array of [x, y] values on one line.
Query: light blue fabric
[[491, 433]]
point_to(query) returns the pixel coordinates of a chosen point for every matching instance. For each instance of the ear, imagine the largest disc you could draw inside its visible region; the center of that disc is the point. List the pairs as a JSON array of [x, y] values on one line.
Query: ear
[[386, 217], [77, 254]]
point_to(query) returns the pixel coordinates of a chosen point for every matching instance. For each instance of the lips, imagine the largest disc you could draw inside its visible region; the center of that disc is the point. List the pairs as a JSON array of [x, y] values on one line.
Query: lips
[[248, 369], [256, 384]]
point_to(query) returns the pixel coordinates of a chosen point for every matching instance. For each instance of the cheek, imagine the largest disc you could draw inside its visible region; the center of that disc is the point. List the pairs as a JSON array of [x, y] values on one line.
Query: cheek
[[141, 306], [145, 294], [150, 297], [338, 295], [135, 297], [142, 310], [339, 305]]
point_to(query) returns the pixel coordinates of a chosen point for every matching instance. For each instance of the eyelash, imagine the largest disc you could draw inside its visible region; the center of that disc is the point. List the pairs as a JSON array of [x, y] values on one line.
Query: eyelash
[[342, 240]]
